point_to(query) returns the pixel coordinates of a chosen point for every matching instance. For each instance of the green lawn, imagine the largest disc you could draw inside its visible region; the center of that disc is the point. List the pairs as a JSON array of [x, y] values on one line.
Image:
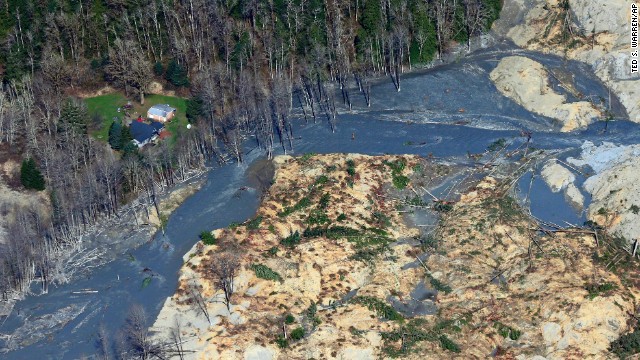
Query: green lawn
[[107, 107]]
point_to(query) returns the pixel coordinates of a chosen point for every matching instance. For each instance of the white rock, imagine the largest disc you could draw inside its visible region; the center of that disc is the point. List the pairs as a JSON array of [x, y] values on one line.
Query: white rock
[[257, 352], [551, 333], [356, 354]]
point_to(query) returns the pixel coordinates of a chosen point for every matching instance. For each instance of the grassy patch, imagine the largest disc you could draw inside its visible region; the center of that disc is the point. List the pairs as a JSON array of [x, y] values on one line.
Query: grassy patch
[[413, 332], [306, 157], [106, 107], [448, 344], [264, 272], [317, 217]]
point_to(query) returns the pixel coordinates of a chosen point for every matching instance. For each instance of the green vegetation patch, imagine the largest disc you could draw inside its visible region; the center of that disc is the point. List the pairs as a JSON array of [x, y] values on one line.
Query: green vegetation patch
[[507, 331], [382, 309], [291, 240], [497, 145], [254, 223], [627, 345], [418, 330], [289, 319], [439, 285], [297, 334], [105, 107], [207, 238], [264, 272], [397, 167], [301, 204], [306, 157], [595, 290]]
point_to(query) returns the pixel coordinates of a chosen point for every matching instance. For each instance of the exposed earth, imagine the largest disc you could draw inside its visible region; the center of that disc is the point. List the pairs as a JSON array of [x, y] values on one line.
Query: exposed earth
[[487, 281]]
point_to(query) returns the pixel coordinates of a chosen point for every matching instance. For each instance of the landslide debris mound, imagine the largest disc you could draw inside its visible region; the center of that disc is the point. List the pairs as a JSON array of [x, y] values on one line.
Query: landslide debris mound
[[328, 269]]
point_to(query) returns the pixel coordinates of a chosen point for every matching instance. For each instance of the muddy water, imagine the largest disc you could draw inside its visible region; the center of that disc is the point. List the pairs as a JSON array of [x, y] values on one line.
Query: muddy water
[[444, 112]]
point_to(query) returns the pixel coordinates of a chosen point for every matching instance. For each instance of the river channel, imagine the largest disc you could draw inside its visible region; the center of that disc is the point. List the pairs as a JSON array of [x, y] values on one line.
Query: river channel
[[446, 111]]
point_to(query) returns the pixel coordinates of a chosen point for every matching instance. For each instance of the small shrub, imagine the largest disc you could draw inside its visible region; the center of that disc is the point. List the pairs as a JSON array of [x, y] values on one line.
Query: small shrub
[[415, 201], [207, 238], [311, 315], [297, 334], [289, 319], [322, 179], [264, 272], [443, 207], [317, 217], [306, 157], [291, 240], [438, 285], [282, 342], [324, 201], [272, 251], [400, 181], [397, 167], [342, 217], [497, 145], [448, 344], [635, 209], [597, 289], [254, 223], [303, 203], [507, 331], [351, 168]]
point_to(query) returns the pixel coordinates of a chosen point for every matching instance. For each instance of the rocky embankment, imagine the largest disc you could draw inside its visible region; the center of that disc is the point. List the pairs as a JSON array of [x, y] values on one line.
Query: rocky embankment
[[594, 32], [615, 187], [328, 269]]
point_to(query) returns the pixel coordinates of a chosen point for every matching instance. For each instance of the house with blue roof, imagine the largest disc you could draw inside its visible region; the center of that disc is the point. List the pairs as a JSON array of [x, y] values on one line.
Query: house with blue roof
[[144, 133]]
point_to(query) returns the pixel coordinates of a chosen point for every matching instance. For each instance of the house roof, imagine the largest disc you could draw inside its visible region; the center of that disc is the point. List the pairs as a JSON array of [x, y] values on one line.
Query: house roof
[[141, 132], [157, 126], [161, 110]]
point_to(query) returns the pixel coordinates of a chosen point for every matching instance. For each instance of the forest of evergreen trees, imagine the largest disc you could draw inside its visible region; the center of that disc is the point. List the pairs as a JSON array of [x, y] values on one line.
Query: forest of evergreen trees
[[241, 62]]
